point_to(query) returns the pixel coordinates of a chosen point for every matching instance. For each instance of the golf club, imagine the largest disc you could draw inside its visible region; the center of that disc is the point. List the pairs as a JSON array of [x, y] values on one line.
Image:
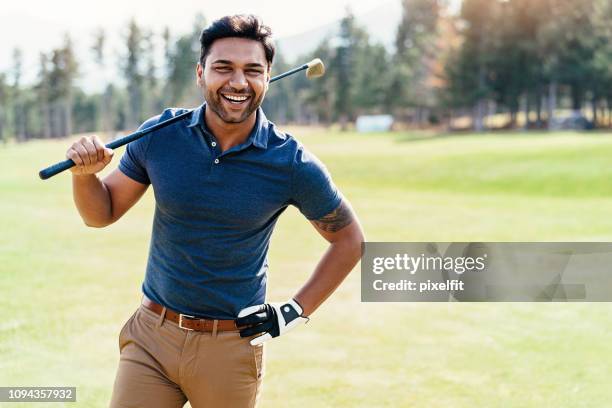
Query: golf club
[[314, 69]]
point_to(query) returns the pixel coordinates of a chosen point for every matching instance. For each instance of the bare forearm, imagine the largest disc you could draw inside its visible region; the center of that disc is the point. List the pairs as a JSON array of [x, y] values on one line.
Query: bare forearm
[[337, 262], [92, 200]]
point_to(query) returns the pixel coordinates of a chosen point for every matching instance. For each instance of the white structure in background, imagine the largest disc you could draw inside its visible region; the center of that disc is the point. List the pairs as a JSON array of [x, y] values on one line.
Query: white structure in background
[[374, 123]]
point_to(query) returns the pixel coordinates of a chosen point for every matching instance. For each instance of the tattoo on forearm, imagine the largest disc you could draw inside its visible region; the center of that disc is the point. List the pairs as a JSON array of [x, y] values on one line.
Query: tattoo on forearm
[[337, 219]]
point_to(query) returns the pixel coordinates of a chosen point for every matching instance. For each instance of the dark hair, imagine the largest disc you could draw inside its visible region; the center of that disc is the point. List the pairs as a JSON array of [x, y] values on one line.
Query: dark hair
[[239, 25]]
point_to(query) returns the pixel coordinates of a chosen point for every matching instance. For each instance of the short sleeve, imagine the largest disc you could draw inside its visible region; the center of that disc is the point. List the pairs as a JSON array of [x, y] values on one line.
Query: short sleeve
[[313, 191], [133, 161]]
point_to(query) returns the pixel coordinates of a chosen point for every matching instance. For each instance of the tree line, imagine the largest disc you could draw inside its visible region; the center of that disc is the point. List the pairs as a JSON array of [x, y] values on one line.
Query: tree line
[[520, 59], [54, 106], [531, 56], [507, 58]]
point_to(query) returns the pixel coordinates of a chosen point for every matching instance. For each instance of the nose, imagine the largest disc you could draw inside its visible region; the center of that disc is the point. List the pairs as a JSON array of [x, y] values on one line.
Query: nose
[[238, 80]]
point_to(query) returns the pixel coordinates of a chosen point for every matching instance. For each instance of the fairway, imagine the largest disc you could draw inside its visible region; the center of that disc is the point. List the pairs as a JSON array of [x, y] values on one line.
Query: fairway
[[66, 290]]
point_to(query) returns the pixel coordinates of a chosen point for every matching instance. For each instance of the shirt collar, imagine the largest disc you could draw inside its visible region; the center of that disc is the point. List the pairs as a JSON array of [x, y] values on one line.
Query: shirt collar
[[258, 136]]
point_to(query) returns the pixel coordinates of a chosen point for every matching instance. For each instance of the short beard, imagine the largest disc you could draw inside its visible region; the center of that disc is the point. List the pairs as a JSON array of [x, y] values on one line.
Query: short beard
[[213, 101]]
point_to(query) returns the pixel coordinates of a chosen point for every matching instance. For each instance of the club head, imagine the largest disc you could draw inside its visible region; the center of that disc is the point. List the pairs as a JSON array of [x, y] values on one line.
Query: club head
[[315, 68]]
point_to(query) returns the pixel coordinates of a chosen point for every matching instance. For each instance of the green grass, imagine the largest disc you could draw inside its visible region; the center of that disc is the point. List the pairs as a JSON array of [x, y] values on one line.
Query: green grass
[[65, 290]]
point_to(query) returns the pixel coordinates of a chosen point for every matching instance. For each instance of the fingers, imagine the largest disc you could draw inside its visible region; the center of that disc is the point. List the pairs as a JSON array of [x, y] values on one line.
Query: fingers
[[253, 330], [79, 154], [73, 155], [253, 318], [250, 309], [108, 155], [260, 340], [252, 315], [256, 318], [104, 154], [89, 151], [82, 153], [99, 146]]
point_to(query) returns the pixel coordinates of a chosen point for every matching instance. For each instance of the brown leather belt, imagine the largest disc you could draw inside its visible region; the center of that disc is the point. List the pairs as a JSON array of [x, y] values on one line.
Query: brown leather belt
[[188, 322]]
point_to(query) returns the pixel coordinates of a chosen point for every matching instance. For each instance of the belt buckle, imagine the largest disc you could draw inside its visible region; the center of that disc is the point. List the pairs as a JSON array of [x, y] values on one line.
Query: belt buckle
[[181, 316]]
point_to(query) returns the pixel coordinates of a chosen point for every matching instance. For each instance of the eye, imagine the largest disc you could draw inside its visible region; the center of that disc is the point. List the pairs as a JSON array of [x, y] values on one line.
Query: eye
[[223, 69]]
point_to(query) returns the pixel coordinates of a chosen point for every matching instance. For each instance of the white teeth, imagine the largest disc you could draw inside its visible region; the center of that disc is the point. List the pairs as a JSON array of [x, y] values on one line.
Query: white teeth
[[236, 98]]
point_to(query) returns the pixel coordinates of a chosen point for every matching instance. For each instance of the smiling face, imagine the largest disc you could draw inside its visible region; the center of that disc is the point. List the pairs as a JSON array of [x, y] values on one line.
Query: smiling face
[[234, 79]]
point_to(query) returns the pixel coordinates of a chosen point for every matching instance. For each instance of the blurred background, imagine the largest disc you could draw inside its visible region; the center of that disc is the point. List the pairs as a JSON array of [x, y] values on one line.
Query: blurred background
[[476, 64], [441, 121]]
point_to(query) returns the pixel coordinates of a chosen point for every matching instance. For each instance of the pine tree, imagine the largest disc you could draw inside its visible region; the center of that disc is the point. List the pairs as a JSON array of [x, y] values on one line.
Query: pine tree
[[133, 72], [415, 56]]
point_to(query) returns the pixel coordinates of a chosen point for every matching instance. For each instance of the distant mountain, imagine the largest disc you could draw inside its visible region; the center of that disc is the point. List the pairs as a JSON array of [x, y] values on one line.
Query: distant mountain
[[380, 23]]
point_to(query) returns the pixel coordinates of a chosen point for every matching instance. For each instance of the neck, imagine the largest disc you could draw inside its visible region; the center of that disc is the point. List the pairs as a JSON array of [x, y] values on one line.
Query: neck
[[229, 134]]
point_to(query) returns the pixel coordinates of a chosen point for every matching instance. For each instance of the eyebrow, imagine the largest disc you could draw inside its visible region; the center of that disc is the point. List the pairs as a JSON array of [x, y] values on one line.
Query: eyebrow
[[228, 62]]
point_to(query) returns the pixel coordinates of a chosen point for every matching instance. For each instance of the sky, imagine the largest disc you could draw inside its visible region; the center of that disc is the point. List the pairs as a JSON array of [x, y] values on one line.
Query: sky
[[39, 25]]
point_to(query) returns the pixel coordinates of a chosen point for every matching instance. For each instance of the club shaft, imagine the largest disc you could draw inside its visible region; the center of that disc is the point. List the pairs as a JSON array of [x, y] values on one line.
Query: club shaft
[[59, 167], [66, 164], [290, 72]]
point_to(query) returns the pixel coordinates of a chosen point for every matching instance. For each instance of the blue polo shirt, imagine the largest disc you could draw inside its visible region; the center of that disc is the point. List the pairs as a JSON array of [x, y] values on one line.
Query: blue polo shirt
[[215, 212]]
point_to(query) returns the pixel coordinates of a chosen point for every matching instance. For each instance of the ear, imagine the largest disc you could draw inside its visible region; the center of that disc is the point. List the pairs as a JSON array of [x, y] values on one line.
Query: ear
[[268, 77], [199, 75]]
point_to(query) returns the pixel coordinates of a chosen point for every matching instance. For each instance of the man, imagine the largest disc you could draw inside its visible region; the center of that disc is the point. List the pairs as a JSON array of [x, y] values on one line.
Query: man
[[221, 179]]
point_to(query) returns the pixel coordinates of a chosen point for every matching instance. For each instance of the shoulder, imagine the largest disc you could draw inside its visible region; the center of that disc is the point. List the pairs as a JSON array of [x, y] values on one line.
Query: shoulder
[[168, 113], [289, 146], [138, 148], [143, 143], [277, 138], [303, 164]]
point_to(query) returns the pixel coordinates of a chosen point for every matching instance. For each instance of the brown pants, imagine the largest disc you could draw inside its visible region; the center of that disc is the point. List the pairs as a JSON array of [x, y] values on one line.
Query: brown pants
[[163, 366]]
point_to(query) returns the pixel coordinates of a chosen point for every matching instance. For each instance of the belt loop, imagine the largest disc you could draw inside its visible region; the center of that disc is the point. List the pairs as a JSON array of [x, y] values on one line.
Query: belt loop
[[162, 316], [214, 330]]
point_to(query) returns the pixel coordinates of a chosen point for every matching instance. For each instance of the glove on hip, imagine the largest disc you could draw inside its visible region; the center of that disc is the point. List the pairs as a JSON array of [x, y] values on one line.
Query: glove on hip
[[271, 319]]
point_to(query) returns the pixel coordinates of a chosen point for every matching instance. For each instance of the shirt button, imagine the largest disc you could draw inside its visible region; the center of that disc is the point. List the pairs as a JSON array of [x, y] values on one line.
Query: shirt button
[[216, 161], [214, 144]]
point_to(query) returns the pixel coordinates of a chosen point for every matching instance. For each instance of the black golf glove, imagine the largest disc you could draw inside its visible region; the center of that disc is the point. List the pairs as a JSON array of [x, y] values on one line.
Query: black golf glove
[[272, 319]]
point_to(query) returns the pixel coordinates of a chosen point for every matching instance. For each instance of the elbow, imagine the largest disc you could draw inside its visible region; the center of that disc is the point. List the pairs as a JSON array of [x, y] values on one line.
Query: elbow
[[96, 224], [355, 243], [97, 220], [360, 236], [358, 244]]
